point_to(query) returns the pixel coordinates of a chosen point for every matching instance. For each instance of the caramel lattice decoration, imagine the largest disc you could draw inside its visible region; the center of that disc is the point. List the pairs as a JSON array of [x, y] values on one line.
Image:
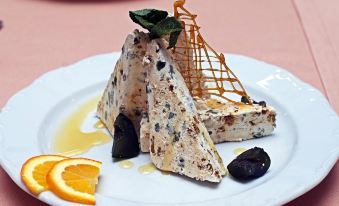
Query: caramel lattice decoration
[[204, 70]]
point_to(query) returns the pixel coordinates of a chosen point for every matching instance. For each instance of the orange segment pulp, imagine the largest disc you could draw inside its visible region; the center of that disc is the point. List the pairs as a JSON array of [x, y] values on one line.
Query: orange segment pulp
[[35, 170], [75, 179]]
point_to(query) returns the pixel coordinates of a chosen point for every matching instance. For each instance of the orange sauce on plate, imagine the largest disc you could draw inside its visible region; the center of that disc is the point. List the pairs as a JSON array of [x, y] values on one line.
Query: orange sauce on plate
[[126, 164], [147, 168], [239, 150], [70, 140]]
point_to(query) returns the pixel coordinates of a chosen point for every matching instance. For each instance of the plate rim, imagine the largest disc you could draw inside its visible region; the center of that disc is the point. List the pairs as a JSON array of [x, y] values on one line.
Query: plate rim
[[332, 156]]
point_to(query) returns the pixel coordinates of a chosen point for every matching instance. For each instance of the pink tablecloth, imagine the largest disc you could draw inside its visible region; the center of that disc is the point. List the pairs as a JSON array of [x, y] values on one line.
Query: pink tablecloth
[[301, 36]]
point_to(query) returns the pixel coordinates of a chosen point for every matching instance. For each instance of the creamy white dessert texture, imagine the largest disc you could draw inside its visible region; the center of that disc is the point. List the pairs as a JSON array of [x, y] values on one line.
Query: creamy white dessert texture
[[176, 129], [235, 122], [179, 141]]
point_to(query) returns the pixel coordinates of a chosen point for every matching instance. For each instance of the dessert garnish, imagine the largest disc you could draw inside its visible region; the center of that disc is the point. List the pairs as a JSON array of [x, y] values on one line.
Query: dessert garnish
[[125, 144], [35, 170], [75, 179], [158, 24], [198, 57], [181, 97], [251, 164], [72, 179]]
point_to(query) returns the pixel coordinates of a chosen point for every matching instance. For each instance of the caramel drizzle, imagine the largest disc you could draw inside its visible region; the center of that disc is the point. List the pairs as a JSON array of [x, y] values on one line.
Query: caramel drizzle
[[198, 48]]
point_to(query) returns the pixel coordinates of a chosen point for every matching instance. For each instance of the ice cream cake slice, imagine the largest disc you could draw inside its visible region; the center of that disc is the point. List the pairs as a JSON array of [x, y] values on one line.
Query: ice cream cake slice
[[235, 122], [179, 141], [126, 92]]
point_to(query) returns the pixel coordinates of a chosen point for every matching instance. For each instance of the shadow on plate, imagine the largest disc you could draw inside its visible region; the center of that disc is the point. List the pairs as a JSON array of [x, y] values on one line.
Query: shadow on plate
[[184, 178], [210, 185]]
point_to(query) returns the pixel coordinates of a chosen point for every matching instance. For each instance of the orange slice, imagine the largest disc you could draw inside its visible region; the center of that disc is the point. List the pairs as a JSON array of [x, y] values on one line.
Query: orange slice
[[35, 170], [75, 179]]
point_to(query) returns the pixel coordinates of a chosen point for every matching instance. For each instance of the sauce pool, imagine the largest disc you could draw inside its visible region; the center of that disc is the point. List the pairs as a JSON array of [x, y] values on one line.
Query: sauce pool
[[147, 168], [239, 150], [126, 164], [70, 140]]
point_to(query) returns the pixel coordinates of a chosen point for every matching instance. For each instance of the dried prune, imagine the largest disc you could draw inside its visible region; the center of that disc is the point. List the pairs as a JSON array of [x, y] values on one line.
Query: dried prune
[[125, 144], [251, 164]]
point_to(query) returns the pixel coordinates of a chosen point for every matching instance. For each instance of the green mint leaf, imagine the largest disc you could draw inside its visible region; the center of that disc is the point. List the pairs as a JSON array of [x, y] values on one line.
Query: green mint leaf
[[147, 18], [158, 24], [166, 26], [173, 39], [144, 23]]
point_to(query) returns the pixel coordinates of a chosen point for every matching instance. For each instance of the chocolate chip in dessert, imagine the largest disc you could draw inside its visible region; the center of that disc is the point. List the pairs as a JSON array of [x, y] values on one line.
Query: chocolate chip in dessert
[[171, 87], [171, 71], [176, 136], [262, 103], [136, 40], [157, 127], [160, 65], [167, 105], [148, 89], [212, 111], [181, 162], [245, 99], [171, 115]]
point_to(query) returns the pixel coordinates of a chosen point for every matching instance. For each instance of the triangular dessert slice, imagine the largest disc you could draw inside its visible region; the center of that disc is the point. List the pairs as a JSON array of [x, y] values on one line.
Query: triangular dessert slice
[[227, 121], [125, 92], [145, 123], [179, 141]]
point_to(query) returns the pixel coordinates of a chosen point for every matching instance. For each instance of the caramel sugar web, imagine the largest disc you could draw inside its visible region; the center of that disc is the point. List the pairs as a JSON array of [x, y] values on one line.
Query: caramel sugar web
[[204, 70]]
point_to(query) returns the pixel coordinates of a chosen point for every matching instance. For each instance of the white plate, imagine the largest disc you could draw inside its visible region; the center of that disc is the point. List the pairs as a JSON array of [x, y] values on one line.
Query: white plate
[[303, 149]]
